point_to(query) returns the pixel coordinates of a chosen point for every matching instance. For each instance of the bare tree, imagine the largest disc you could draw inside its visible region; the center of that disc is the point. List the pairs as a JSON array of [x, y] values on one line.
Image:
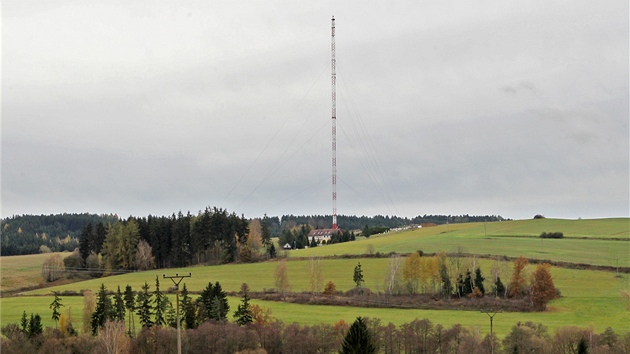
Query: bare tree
[[392, 276], [53, 268], [282, 277], [144, 256], [316, 274], [89, 305], [113, 338]]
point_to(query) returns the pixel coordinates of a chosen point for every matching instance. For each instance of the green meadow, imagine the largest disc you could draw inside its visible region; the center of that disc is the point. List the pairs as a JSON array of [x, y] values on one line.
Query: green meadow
[[590, 298], [586, 241]]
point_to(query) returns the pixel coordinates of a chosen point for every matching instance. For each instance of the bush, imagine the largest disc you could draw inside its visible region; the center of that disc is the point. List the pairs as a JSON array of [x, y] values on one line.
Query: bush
[[552, 235], [53, 268]]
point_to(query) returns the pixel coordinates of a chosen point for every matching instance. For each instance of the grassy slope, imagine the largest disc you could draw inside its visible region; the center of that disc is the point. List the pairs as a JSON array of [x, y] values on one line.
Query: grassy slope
[[590, 297], [497, 239], [22, 271]]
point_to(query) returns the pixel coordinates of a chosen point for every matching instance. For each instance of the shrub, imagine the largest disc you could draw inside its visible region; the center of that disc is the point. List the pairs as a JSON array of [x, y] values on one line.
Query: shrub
[[552, 235]]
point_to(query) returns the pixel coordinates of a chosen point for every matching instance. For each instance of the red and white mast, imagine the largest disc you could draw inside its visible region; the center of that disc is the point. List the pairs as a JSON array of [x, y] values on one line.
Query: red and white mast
[[334, 129]]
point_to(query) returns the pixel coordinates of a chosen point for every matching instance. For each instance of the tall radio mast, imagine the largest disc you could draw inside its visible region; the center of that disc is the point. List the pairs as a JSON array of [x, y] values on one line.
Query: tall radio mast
[[334, 128]]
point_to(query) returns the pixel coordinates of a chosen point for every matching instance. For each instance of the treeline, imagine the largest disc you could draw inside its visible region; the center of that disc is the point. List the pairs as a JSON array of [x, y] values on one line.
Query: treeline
[[212, 236], [31, 234], [268, 335], [346, 222]]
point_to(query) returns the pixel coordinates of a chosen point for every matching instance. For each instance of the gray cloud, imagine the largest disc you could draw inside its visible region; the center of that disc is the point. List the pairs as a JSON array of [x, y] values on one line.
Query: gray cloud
[[152, 107]]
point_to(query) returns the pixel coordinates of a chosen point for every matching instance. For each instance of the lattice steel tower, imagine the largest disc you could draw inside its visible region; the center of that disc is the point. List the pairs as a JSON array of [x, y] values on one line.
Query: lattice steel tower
[[334, 127]]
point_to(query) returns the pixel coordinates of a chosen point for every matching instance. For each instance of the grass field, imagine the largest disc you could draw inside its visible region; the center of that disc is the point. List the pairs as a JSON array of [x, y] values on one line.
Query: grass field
[[590, 298], [21, 271], [502, 238]]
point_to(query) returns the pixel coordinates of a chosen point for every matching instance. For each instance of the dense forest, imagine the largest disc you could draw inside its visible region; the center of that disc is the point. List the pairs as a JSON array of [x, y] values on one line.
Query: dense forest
[[359, 222], [30, 234]]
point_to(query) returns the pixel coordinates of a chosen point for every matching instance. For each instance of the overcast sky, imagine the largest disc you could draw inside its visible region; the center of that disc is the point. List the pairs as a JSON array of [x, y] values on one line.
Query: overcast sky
[[511, 108]]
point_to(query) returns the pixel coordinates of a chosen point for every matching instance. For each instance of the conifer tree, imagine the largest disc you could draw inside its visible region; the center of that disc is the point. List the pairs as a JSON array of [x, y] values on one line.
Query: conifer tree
[[118, 313], [243, 314], [130, 306], [220, 306], [357, 277], [103, 310], [24, 323], [160, 303], [35, 326], [55, 306], [143, 306], [468, 284], [205, 302], [478, 282], [357, 340], [187, 309], [499, 288]]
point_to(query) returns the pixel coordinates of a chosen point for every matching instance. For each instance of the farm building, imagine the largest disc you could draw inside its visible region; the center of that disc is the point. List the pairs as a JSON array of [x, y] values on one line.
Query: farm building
[[321, 235]]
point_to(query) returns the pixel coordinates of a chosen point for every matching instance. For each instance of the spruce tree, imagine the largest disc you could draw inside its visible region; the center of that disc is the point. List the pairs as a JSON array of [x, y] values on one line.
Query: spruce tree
[[55, 306], [160, 303], [357, 339], [468, 284], [358, 275], [243, 313], [24, 323], [35, 326], [479, 281], [143, 306], [220, 306], [187, 309], [499, 288], [118, 312], [130, 306], [103, 310]]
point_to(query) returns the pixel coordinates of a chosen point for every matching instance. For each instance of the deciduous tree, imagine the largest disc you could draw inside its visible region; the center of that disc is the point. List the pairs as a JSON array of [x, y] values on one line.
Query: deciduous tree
[[518, 282], [282, 278], [53, 267], [542, 287]]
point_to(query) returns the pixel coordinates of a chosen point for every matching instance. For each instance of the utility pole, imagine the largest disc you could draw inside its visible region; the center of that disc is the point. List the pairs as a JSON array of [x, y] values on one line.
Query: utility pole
[[176, 282], [491, 313], [333, 64]]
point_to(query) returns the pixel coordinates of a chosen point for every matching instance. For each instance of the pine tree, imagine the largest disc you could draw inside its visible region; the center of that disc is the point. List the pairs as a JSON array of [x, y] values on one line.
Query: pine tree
[[205, 302], [243, 314], [358, 275], [55, 306], [468, 284], [143, 306], [103, 310], [84, 241], [35, 326], [24, 323], [118, 313], [220, 306], [499, 288], [130, 306], [160, 303], [479, 281], [187, 307], [357, 339]]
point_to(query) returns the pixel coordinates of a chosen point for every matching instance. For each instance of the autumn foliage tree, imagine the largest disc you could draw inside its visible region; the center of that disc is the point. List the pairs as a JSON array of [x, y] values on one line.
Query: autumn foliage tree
[[518, 283], [542, 287]]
